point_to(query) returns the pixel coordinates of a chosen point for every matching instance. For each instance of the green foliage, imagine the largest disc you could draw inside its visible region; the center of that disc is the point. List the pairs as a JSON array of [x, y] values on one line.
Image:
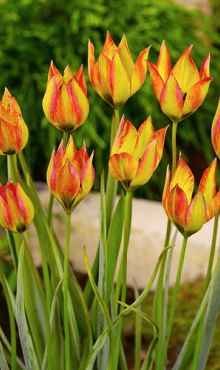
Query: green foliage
[[34, 32]]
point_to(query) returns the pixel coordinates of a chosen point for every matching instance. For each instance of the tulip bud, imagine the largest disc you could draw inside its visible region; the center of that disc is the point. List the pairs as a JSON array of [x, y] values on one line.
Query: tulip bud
[[13, 129], [16, 208]]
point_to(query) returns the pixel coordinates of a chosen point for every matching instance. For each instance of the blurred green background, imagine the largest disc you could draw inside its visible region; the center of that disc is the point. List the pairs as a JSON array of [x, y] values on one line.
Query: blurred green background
[[34, 32]]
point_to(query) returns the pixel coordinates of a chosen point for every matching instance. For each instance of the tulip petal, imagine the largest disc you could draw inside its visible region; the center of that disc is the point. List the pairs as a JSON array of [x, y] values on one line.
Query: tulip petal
[[216, 131], [79, 76], [156, 80], [204, 70], [171, 100], [196, 96], [146, 166], [126, 138], [207, 185], [109, 46], [185, 71], [139, 71], [183, 176], [145, 136], [123, 167], [195, 215], [213, 207], [177, 205], [125, 56], [120, 83], [93, 70], [105, 73], [160, 138], [164, 63], [87, 181]]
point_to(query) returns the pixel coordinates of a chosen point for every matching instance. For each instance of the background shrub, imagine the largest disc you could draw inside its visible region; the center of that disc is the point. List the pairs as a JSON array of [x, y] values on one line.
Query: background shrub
[[34, 32]]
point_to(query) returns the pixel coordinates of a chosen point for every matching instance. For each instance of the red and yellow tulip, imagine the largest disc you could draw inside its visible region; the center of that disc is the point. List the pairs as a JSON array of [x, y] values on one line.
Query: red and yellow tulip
[[115, 76], [186, 213], [216, 131], [16, 208], [65, 102], [136, 154], [181, 89], [13, 129], [70, 175]]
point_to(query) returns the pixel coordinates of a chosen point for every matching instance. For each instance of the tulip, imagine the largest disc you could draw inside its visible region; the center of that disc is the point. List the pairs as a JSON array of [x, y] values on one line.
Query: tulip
[[16, 208], [13, 129], [180, 90], [65, 102], [115, 76], [216, 131], [70, 175], [136, 154], [186, 213]]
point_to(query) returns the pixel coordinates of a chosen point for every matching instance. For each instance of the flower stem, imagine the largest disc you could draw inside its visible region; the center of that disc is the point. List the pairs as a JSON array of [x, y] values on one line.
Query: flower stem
[[65, 138], [12, 167], [65, 291], [163, 356], [122, 276], [174, 151]]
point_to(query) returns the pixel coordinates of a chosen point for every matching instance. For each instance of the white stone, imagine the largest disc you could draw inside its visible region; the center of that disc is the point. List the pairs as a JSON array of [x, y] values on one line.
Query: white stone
[[146, 243]]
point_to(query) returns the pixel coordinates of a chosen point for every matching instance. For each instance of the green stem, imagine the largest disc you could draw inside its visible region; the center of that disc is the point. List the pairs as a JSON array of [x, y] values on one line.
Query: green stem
[[65, 138], [162, 359], [122, 277], [199, 336], [50, 211], [159, 309], [65, 291], [111, 191], [112, 184], [12, 167]]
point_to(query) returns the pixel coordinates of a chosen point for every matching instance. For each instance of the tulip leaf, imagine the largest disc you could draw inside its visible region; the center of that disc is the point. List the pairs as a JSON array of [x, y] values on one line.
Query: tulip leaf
[[27, 344], [95, 350], [35, 304], [3, 361], [114, 242]]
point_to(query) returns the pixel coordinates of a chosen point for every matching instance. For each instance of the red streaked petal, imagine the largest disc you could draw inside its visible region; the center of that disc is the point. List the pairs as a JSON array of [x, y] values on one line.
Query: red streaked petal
[[196, 96], [120, 83], [164, 63], [156, 80], [109, 46], [177, 205], [213, 208], [139, 71], [216, 131], [166, 190], [195, 216], [79, 76], [171, 100], [145, 136], [126, 138], [123, 167], [207, 185], [204, 70], [125, 56], [146, 166], [185, 71], [183, 176], [160, 138]]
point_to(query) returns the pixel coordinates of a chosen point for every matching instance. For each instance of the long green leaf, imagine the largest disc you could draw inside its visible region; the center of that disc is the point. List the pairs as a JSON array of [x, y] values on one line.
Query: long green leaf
[[28, 348], [95, 350], [114, 242], [3, 361]]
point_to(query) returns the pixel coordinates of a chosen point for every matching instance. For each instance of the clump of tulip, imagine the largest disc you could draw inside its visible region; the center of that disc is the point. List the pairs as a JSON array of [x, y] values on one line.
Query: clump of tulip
[[70, 175], [181, 89], [65, 102], [136, 154], [13, 129], [186, 213], [115, 76]]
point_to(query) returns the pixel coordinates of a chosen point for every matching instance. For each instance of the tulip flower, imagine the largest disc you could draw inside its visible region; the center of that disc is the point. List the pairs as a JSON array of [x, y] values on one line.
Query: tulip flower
[[13, 129], [180, 90], [115, 76], [186, 213], [16, 208], [136, 154], [65, 102], [216, 131], [70, 175]]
